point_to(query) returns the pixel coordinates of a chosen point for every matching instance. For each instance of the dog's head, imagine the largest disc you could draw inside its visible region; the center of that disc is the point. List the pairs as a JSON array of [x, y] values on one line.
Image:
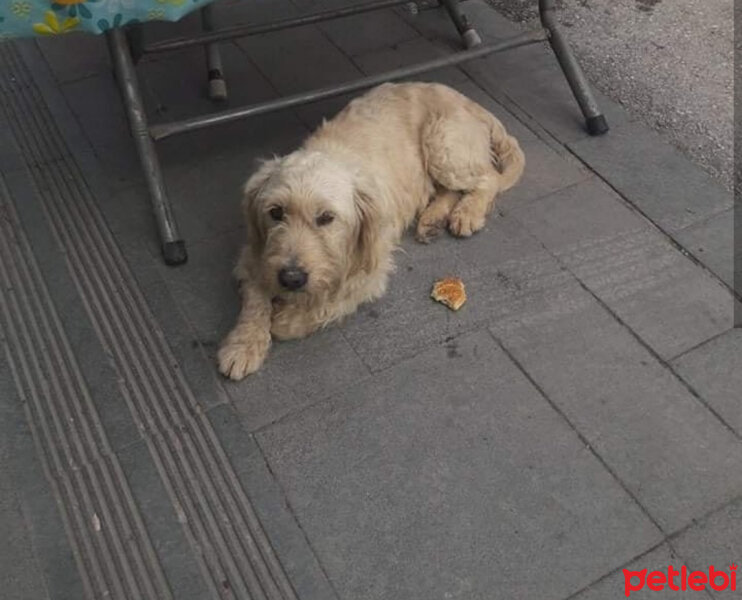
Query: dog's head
[[311, 223]]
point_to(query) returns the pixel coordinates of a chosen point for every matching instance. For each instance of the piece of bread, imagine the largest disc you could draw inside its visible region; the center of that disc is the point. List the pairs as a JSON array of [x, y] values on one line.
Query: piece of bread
[[449, 291]]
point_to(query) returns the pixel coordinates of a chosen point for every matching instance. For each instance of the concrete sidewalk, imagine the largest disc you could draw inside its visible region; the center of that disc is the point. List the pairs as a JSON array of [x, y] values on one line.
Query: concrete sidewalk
[[580, 415]]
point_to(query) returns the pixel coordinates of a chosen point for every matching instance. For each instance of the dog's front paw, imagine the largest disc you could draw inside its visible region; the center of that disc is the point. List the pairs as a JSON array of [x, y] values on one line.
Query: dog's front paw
[[463, 222], [429, 228], [239, 357]]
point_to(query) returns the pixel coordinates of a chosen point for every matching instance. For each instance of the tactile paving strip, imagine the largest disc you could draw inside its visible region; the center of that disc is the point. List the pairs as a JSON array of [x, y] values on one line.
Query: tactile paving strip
[[233, 551]]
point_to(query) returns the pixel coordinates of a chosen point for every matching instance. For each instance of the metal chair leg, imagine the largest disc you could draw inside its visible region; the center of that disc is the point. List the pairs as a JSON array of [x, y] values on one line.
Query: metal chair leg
[[466, 30], [173, 247], [596, 122], [217, 85]]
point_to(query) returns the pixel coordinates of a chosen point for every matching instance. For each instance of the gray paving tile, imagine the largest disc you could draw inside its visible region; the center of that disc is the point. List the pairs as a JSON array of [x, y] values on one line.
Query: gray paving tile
[[435, 24], [233, 12], [508, 277], [177, 556], [175, 85], [100, 376], [96, 103], [204, 288], [307, 59], [716, 541], [667, 448], [404, 483], [75, 56], [715, 372], [544, 94], [20, 572], [129, 214], [546, 171], [188, 348], [10, 155], [313, 114], [408, 53], [712, 243], [654, 176], [49, 559], [662, 295], [368, 32], [615, 585], [278, 521], [63, 118], [296, 374], [207, 185]]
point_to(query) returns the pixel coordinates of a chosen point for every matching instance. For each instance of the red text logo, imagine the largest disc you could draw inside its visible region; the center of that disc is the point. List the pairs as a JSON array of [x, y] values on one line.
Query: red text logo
[[681, 580]]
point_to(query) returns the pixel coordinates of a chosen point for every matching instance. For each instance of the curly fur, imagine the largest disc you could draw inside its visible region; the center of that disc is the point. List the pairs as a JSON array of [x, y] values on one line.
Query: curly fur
[[400, 152]]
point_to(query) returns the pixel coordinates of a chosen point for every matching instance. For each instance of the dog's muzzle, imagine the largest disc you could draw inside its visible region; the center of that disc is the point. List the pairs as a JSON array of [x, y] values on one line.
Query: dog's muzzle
[[292, 278]]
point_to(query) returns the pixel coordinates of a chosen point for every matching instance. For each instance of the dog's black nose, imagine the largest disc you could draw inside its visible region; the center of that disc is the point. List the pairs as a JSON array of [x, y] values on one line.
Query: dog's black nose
[[292, 278]]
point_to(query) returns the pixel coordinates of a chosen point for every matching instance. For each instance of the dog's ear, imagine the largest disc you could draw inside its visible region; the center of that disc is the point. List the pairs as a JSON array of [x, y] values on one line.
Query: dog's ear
[[365, 257], [251, 206]]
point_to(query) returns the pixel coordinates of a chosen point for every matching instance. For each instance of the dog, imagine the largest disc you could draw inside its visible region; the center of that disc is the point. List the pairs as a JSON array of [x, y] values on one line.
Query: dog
[[323, 221]]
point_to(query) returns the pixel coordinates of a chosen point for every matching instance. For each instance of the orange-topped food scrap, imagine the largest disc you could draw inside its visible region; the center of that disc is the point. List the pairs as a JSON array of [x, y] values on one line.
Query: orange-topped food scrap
[[449, 291]]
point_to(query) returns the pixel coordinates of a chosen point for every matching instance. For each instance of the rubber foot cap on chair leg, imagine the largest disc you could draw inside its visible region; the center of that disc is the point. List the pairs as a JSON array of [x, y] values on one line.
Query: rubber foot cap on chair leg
[[471, 38], [597, 125], [174, 253], [217, 89]]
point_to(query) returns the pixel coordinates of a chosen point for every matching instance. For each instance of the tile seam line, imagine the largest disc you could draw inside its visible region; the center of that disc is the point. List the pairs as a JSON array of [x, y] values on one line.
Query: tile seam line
[[586, 443], [664, 363], [666, 233], [299, 524], [698, 346], [668, 540], [468, 330], [108, 491], [566, 146], [186, 384]]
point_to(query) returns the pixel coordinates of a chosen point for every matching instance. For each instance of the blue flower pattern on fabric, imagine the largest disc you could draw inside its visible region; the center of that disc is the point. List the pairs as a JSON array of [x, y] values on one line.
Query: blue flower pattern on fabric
[[23, 18]]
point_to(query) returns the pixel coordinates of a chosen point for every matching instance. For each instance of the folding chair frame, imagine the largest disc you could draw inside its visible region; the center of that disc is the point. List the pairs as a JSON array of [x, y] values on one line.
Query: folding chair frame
[[127, 47]]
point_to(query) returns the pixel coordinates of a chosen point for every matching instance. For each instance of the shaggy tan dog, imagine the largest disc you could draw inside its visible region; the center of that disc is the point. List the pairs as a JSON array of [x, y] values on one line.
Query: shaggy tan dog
[[322, 222]]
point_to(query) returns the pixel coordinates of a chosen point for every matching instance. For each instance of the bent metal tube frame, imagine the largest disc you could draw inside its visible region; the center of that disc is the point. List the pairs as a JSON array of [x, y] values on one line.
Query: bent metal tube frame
[[127, 47]]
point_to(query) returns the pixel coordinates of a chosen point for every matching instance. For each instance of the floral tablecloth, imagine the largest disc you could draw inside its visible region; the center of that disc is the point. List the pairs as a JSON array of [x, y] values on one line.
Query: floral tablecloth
[[22, 18]]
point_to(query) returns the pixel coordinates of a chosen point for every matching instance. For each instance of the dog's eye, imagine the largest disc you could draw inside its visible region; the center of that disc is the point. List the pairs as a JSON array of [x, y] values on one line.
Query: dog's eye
[[276, 213], [325, 219]]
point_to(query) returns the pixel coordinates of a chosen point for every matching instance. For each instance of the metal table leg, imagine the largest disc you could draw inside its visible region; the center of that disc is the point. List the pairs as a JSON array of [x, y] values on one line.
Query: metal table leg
[[217, 85], [173, 247], [463, 26], [596, 122]]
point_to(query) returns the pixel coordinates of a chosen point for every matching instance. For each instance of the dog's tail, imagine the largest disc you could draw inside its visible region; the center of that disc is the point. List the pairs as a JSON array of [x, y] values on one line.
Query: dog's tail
[[507, 156]]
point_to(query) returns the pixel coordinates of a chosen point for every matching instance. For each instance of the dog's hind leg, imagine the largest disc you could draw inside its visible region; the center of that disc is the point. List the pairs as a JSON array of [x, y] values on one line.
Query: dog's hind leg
[[434, 218], [463, 153]]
